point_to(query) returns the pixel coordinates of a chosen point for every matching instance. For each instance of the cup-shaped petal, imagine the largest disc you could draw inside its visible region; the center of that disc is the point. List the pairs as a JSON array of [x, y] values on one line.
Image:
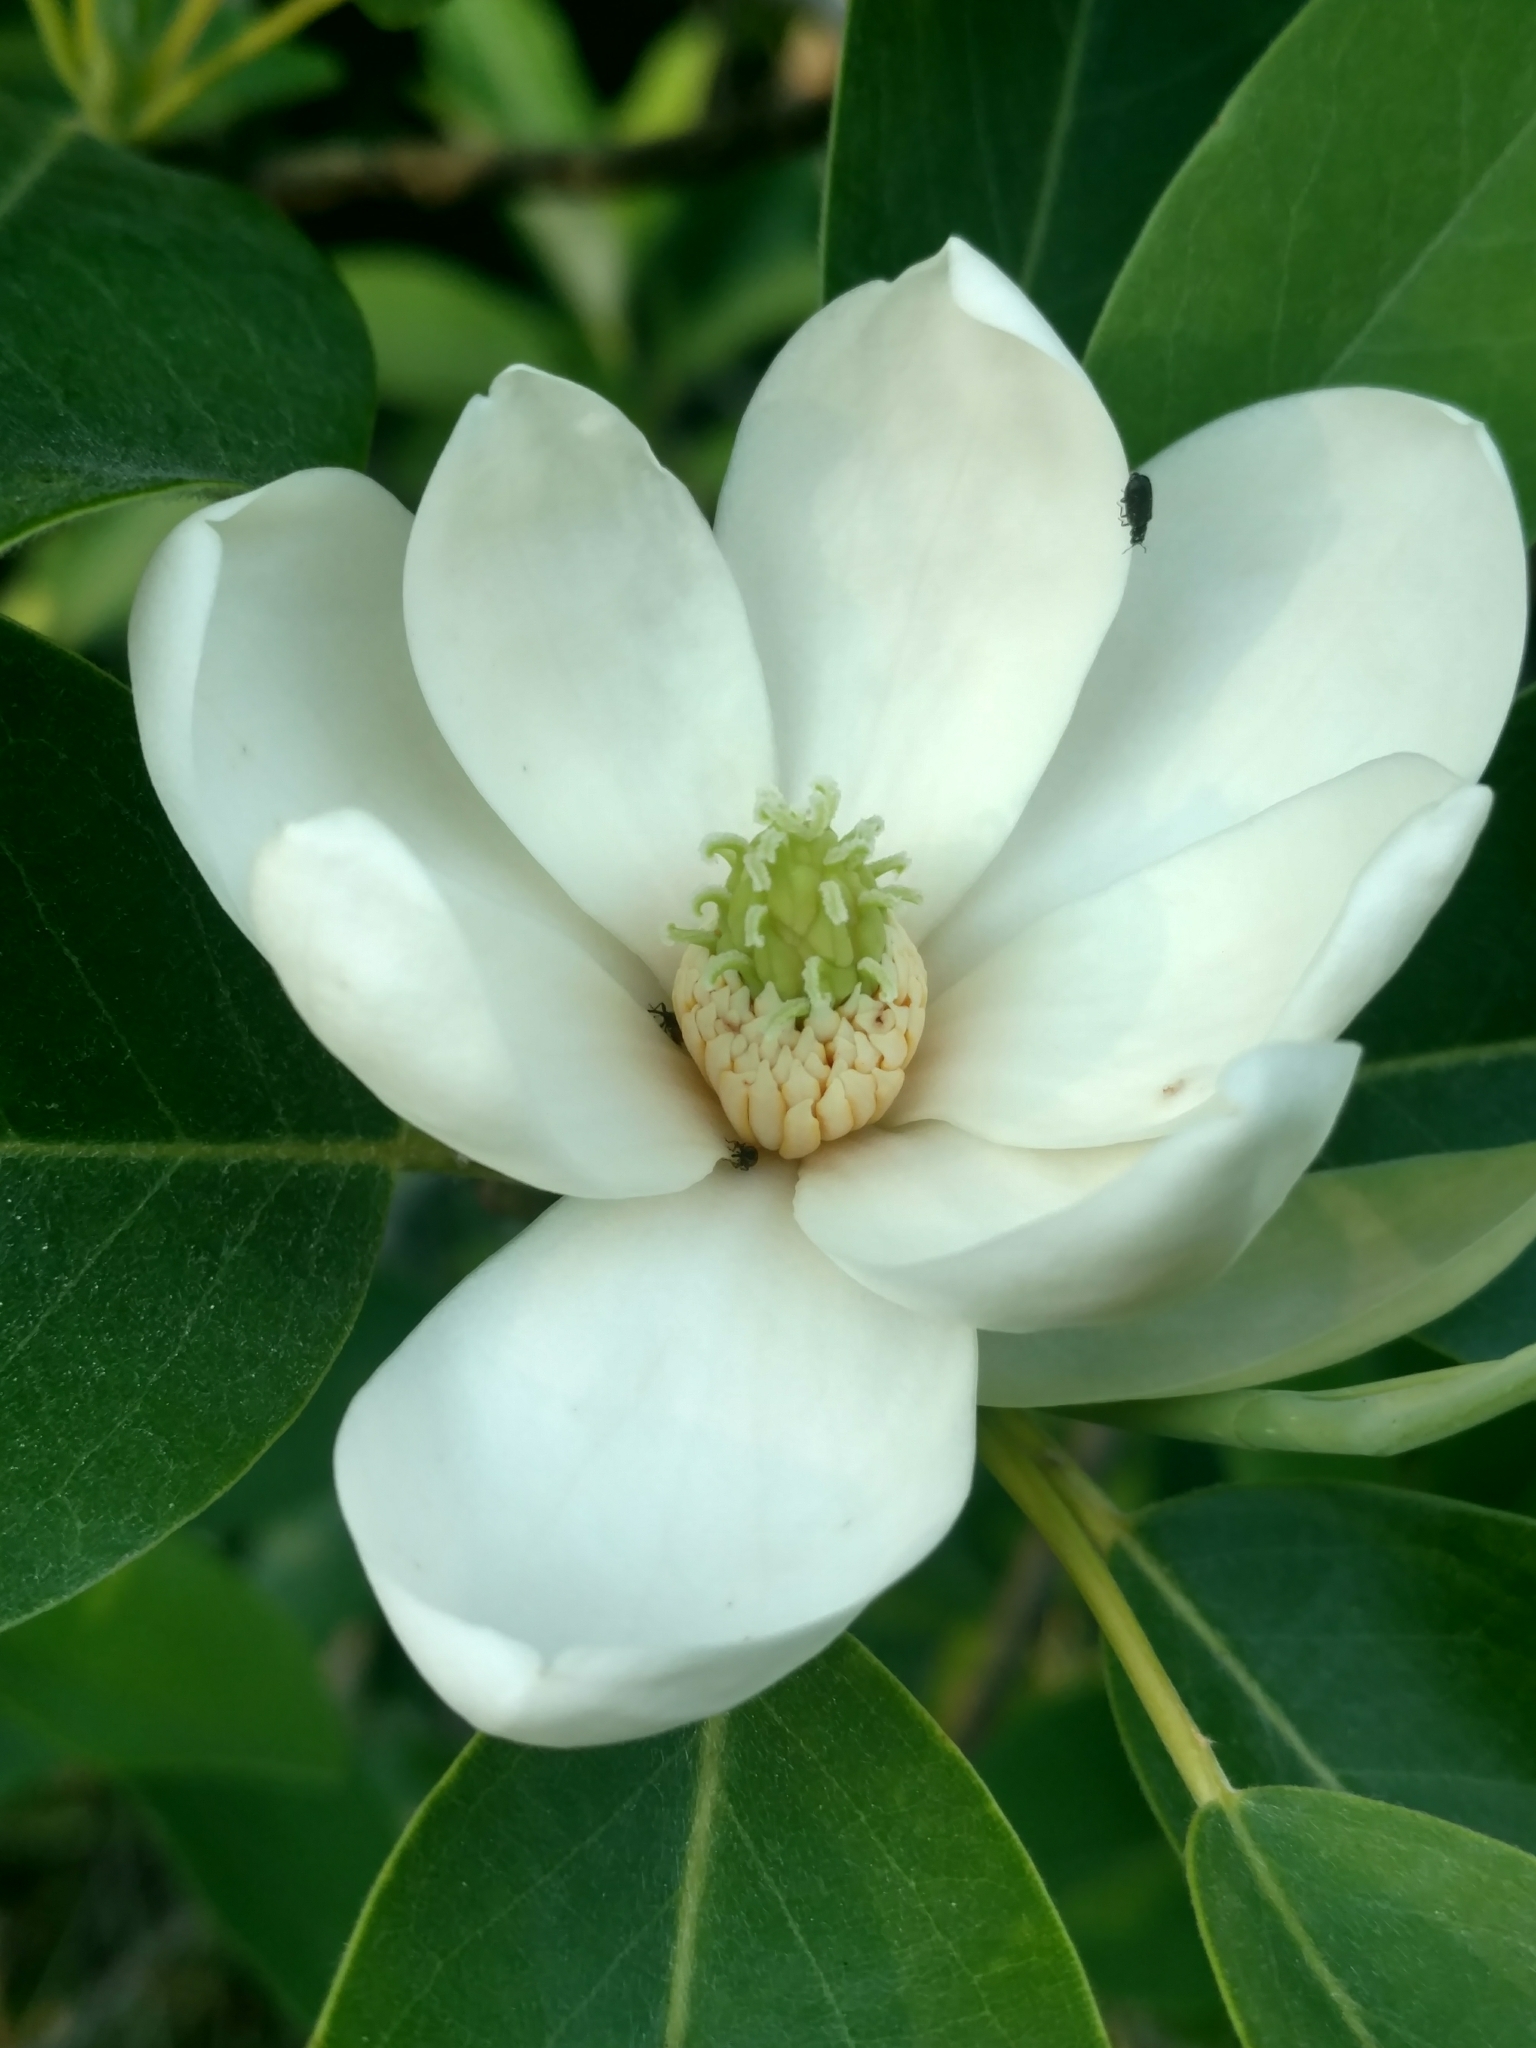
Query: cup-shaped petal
[[1327, 578], [585, 651], [287, 737], [923, 513], [949, 1224], [481, 1023], [1110, 1017], [1354, 1257], [648, 1459]]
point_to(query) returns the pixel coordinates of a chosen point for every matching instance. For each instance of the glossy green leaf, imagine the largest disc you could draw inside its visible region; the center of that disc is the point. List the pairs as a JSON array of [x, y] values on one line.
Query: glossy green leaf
[[817, 1867], [159, 332], [1352, 1259], [1363, 213], [1041, 132], [174, 1663], [191, 1192], [286, 1867], [1339, 1923], [1357, 1638]]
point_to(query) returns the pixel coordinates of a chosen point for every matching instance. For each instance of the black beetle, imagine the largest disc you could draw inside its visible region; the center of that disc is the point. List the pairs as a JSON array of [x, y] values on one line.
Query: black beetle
[[667, 1019], [742, 1157], [1136, 507]]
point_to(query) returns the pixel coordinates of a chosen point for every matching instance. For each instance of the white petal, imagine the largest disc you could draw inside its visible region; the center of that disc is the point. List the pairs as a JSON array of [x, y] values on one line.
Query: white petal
[[1387, 911], [273, 686], [922, 511], [648, 1459], [1327, 578], [1112, 1016], [478, 1022], [948, 1224], [584, 649], [1353, 1259]]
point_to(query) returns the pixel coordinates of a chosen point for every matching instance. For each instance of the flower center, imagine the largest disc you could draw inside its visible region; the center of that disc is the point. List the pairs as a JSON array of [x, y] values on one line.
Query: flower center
[[802, 999]]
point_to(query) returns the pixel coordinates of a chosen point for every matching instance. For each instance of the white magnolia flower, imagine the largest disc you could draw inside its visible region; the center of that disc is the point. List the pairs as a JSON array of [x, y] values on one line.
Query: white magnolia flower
[[1172, 816]]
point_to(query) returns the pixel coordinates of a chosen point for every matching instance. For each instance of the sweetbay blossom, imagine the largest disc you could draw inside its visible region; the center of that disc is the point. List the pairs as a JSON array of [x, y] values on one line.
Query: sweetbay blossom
[[1008, 891]]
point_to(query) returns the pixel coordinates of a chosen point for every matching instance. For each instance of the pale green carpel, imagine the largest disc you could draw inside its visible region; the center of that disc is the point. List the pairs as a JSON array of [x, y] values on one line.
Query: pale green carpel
[[803, 1002], [803, 908]]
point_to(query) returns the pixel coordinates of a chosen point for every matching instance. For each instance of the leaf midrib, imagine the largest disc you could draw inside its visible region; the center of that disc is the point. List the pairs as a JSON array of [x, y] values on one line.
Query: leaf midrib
[[1056, 143], [1184, 1609], [53, 145], [694, 1880], [386, 1154], [1426, 252], [1279, 1901]]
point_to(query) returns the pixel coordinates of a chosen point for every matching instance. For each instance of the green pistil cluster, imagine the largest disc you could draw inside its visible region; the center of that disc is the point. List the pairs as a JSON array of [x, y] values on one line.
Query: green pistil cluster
[[802, 907]]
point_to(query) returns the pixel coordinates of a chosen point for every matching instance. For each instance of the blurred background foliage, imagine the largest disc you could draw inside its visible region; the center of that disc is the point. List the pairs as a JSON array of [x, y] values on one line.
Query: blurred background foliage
[[161, 1893]]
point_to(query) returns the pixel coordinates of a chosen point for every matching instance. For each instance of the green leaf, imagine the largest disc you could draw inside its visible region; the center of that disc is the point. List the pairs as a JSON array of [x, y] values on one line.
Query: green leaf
[[1380, 1418], [1338, 1923], [1363, 213], [23, 1757], [159, 332], [508, 71], [1041, 132], [441, 332], [1357, 1638], [174, 1663], [817, 1867], [1352, 1259], [75, 584], [286, 1867], [1477, 1096], [283, 77], [191, 1192]]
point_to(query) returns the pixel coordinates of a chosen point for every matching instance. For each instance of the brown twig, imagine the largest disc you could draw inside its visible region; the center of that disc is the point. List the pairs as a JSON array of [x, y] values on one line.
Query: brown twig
[[446, 173]]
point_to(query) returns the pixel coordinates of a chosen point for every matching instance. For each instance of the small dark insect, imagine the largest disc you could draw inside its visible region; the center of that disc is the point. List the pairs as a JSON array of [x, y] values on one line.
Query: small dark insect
[[667, 1020], [742, 1157], [1136, 507]]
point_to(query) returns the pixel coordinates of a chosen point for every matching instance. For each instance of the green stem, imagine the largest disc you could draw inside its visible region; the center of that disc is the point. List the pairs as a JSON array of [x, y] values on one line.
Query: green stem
[[1080, 1524], [58, 40], [97, 81], [182, 35], [263, 35]]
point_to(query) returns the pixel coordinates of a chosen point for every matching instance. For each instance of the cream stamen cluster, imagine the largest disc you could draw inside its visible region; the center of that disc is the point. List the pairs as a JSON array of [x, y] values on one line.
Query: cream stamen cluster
[[804, 1001]]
